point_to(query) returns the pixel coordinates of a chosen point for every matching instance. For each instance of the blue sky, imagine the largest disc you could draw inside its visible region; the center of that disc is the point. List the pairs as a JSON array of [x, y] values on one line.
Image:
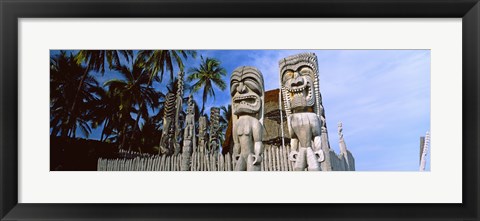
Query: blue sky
[[382, 97]]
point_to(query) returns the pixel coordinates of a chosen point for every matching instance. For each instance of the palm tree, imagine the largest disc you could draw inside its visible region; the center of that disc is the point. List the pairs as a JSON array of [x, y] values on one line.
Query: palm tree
[[104, 110], [149, 136], [209, 73], [226, 114], [65, 75], [134, 92], [95, 61], [155, 61], [159, 61]]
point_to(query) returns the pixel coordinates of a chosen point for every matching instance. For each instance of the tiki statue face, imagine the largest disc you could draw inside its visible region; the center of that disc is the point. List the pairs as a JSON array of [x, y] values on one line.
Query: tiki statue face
[[298, 75], [246, 89]]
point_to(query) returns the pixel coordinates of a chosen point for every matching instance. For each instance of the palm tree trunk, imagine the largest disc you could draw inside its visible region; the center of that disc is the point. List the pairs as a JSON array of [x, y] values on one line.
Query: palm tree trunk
[[55, 131], [79, 88], [138, 114], [103, 131], [56, 128], [65, 131], [72, 133], [80, 85], [136, 123], [124, 131]]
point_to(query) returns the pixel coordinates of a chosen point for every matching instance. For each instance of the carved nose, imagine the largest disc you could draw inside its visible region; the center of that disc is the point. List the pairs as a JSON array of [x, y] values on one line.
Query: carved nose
[[297, 82], [241, 88]]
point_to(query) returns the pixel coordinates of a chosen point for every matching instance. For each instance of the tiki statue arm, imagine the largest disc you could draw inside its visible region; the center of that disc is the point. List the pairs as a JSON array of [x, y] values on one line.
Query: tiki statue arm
[[236, 144], [317, 140], [317, 149], [292, 156], [258, 144]]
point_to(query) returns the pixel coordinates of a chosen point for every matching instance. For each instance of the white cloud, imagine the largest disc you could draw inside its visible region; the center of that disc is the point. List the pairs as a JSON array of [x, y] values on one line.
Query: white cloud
[[381, 96]]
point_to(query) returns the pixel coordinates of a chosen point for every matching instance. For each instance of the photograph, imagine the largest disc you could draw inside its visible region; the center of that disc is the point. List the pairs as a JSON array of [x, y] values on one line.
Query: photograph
[[240, 110]]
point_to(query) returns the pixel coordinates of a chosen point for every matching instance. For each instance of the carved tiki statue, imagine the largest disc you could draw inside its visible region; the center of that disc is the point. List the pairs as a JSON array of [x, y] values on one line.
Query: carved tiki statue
[[213, 146], [301, 94], [202, 133], [189, 141], [168, 125], [247, 90]]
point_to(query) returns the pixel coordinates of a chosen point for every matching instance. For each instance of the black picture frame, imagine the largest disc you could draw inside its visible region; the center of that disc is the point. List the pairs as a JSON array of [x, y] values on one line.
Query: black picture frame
[[11, 11]]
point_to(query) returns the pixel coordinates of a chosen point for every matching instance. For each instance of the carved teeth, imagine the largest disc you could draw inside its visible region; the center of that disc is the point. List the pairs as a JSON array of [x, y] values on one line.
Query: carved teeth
[[245, 97], [246, 100]]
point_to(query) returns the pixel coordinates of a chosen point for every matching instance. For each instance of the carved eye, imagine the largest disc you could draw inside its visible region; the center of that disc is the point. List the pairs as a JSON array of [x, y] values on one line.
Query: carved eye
[[306, 71], [287, 75], [233, 87], [253, 85]]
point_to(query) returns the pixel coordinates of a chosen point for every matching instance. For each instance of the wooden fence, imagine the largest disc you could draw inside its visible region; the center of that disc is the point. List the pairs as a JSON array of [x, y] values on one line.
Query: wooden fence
[[274, 159]]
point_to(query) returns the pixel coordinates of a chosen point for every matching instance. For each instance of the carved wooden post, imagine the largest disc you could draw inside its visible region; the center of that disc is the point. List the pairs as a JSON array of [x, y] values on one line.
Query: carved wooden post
[[178, 110], [202, 131], [214, 143], [189, 135], [247, 91], [166, 141], [343, 146], [423, 160], [305, 116]]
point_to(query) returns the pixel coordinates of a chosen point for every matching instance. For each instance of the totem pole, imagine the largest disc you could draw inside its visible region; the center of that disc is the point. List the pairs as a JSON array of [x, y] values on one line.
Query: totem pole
[[214, 129], [305, 116], [189, 141], [178, 111], [202, 133], [342, 145], [423, 159], [169, 114], [247, 91]]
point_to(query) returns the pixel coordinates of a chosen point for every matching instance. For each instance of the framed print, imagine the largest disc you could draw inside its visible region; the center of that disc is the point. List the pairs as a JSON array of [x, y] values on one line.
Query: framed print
[[293, 110]]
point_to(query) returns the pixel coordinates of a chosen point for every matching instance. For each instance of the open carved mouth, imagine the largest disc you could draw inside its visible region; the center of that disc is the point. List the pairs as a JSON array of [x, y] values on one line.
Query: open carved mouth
[[301, 91], [249, 100]]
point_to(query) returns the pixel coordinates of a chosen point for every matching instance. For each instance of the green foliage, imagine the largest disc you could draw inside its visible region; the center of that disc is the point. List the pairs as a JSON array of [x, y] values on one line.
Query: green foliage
[[96, 59], [209, 73], [160, 61], [65, 76], [133, 95], [128, 109]]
